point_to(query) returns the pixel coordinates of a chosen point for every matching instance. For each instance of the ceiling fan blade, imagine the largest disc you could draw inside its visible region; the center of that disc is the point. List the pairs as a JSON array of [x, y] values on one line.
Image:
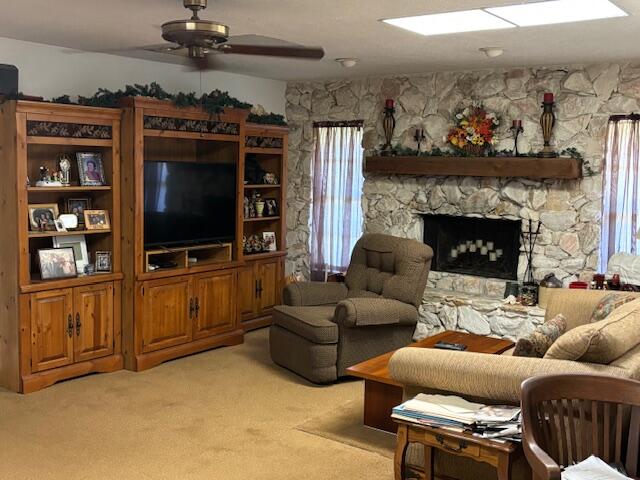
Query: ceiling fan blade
[[312, 53]]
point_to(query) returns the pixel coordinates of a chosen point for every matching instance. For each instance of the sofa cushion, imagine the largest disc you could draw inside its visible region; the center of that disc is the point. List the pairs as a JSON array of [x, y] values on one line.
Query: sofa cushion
[[608, 304], [312, 323], [540, 340], [603, 341]]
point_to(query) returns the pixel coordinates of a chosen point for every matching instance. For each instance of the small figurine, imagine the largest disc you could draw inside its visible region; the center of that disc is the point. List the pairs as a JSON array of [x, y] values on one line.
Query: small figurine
[[270, 179], [246, 207], [44, 174], [46, 179]]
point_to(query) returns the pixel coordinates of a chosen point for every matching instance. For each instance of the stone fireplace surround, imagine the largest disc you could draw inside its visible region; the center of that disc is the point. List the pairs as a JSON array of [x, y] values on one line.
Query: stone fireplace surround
[[568, 209]]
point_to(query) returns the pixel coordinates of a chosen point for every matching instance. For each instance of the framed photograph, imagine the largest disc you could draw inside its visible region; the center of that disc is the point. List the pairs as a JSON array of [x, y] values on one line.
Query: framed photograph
[[60, 226], [269, 241], [43, 216], [103, 261], [79, 245], [270, 207], [90, 170], [97, 220], [57, 263], [77, 206]]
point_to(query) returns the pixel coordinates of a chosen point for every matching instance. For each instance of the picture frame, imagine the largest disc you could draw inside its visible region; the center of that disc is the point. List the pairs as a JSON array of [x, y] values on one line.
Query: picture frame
[[60, 225], [90, 169], [42, 216], [269, 241], [103, 262], [77, 206], [97, 220], [79, 245], [270, 207], [57, 263]]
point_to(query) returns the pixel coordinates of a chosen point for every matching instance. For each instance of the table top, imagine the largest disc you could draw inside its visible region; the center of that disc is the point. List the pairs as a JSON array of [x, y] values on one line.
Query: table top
[[377, 368]]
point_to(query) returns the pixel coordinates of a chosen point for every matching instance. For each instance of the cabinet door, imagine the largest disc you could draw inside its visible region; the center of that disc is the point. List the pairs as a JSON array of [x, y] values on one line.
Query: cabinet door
[[167, 313], [93, 321], [247, 292], [269, 285], [52, 329], [215, 303]]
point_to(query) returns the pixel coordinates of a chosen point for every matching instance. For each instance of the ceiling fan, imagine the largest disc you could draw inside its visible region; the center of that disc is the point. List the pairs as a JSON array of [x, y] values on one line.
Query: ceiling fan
[[203, 37]]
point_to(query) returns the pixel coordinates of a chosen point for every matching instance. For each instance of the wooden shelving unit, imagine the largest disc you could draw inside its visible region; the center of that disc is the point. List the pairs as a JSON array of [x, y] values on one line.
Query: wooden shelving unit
[[61, 328], [524, 167]]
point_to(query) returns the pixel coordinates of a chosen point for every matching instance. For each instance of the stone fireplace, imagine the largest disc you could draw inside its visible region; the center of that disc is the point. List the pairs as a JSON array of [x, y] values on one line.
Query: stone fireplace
[[473, 245]]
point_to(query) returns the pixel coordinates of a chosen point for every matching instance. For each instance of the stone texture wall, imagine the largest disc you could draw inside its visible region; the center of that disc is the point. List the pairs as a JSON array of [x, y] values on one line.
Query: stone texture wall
[[569, 210]]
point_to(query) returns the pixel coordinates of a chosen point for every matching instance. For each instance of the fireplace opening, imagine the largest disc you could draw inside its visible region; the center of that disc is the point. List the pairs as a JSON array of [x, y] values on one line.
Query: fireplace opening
[[483, 247]]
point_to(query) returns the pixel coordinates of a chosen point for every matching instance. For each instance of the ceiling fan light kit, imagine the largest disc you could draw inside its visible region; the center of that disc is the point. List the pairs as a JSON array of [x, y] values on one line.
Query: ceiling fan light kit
[[202, 37], [492, 52], [347, 62]]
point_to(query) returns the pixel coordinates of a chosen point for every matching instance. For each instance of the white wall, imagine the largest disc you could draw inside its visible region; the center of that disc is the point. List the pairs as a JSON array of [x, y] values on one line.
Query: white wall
[[50, 71]]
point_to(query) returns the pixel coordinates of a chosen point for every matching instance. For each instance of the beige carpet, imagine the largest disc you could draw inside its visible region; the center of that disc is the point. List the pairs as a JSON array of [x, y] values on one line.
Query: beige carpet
[[224, 414], [344, 425]]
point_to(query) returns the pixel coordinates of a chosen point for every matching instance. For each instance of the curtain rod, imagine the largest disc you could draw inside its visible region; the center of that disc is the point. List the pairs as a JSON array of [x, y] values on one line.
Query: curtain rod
[[345, 123], [617, 118]]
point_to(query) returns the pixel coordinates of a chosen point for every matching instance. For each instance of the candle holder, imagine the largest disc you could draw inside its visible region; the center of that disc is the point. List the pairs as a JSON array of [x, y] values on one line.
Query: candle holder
[[548, 121], [388, 125], [516, 129], [419, 138]]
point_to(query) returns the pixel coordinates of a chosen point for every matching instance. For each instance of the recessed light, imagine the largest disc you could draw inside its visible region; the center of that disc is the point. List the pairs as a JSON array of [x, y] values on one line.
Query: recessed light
[[347, 62], [450, 22], [557, 11], [492, 52]]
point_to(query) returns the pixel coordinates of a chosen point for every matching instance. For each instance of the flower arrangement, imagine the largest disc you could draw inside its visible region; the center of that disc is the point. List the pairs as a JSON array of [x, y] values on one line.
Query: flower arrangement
[[474, 132]]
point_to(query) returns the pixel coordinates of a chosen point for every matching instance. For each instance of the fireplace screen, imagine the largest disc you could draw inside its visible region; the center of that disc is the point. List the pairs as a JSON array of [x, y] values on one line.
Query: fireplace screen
[[474, 246]]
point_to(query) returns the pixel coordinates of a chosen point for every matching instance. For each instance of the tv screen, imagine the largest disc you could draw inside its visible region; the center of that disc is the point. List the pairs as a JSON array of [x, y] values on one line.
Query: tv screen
[[188, 203]]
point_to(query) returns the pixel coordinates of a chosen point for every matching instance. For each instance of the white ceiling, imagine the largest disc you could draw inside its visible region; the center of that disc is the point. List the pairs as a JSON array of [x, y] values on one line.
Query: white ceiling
[[345, 28]]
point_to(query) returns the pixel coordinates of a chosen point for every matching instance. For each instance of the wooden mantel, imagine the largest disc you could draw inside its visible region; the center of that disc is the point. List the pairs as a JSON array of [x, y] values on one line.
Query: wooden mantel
[[526, 167]]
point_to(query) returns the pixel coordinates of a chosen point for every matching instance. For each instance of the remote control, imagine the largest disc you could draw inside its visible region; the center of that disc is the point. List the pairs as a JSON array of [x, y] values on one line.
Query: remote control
[[451, 346]]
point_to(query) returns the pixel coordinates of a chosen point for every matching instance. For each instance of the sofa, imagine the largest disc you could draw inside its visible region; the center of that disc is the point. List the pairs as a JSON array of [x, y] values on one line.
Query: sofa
[[324, 328], [496, 379]]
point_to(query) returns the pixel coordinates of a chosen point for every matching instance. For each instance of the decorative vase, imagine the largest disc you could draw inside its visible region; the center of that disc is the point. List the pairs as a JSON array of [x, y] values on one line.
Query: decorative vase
[[547, 122], [388, 125], [259, 208]]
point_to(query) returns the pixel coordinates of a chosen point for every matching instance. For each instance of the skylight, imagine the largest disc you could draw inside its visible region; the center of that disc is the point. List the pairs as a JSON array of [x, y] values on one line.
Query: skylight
[[450, 22], [522, 15], [557, 11]]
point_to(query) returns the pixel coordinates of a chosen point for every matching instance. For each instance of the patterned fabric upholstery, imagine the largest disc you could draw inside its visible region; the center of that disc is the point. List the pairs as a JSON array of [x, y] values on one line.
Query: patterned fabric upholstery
[[608, 304], [540, 340], [377, 308], [360, 312], [390, 266]]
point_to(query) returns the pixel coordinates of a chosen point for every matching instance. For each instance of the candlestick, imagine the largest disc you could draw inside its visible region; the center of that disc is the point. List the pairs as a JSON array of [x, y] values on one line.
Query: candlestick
[[517, 129], [547, 121], [388, 125], [419, 138]]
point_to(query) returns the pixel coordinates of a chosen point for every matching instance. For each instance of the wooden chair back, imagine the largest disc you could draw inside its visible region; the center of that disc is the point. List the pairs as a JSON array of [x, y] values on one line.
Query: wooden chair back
[[568, 418]]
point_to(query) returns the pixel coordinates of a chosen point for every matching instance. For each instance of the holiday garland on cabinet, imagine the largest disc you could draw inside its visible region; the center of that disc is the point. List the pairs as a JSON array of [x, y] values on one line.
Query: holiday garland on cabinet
[[213, 102]]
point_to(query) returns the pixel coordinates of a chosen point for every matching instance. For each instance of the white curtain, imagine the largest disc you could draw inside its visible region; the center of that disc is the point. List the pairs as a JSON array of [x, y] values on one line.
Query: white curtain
[[621, 202], [336, 222]]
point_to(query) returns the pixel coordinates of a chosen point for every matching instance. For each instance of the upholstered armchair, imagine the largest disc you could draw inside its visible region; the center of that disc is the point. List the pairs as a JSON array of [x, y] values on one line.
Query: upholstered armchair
[[324, 328]]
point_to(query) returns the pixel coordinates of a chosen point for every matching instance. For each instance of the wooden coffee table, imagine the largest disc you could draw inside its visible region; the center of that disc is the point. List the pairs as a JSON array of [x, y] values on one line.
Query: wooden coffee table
[[382, 393]]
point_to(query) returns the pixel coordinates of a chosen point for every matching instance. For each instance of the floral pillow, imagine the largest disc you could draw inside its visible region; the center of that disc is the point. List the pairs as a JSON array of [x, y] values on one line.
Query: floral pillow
[[608, 304], [540, 340]]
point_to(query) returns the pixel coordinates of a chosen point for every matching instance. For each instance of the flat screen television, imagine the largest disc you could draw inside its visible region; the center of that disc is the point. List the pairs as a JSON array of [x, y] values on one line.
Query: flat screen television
[[188, 203]]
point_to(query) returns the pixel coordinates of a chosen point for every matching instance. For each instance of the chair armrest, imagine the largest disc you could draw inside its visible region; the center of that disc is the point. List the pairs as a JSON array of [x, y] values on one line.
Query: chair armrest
[[543, 466], [362, 312], [492, 377], [305, 294]]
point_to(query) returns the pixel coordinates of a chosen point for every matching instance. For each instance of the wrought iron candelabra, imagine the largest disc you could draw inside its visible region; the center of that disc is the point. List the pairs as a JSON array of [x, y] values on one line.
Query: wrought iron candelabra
[[529, 237]]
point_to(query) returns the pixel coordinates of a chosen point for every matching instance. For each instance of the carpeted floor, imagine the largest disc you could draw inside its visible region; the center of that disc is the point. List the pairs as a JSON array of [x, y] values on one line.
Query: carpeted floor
[[224, 414]]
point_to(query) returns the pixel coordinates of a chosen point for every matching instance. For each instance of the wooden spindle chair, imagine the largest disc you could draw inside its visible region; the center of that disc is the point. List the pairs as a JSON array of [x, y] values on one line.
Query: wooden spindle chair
[[568, 418]]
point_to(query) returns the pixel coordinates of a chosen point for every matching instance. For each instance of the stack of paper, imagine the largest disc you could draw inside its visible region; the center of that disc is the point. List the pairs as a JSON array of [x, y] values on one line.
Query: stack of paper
[[592, 468], [498, 422], [438, 411]]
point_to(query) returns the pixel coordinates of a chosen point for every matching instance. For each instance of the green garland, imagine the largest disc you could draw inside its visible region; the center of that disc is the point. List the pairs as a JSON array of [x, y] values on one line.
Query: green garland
[[213, 102]]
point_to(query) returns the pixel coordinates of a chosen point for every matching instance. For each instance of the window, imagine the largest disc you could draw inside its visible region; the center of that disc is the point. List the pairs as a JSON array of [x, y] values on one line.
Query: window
[[621, 202], [336, 222]]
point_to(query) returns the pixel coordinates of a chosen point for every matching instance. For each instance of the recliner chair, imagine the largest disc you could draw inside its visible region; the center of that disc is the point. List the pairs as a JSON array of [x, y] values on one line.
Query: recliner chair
[[324, 328]]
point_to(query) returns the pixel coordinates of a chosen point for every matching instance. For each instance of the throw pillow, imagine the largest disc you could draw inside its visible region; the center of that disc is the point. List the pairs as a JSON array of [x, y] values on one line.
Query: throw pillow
[[608, 304], [601, 342], [540, 340]]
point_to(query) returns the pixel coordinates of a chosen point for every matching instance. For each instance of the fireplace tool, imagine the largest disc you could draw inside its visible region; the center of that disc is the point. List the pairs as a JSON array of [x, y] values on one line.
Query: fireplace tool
[[529, 291]]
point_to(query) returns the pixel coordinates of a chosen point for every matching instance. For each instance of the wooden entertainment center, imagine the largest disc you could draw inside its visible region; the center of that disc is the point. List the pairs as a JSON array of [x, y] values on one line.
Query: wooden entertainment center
[[135, 316]]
